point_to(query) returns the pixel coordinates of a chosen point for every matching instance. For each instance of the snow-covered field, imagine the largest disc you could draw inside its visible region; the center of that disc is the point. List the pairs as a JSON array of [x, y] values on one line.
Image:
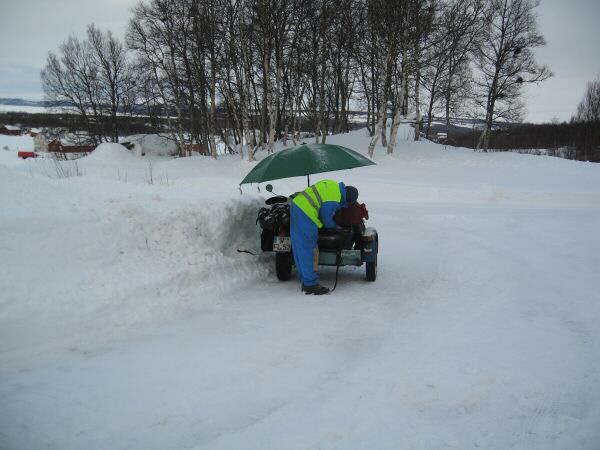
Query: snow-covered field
[[129, 320], [26, 109], [14, 144]]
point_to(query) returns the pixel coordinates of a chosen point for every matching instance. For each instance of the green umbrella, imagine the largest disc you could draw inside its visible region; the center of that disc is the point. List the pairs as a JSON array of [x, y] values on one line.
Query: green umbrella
[[303, 160]]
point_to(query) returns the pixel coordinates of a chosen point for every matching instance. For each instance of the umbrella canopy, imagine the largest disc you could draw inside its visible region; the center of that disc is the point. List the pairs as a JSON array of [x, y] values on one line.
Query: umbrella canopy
[[304, 160]]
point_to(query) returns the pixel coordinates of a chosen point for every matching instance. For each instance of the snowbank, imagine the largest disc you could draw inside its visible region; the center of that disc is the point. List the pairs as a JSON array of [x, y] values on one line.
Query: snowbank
[[109, 152], [122, 257]]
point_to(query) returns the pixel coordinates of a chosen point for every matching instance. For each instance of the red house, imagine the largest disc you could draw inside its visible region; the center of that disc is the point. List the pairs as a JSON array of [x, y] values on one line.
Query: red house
[[55, 146], [196, 148], [78, 148], [9, 130]]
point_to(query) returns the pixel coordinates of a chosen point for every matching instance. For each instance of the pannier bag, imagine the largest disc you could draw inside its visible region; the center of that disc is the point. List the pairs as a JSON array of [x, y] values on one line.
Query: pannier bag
[[277, 215], [269, 219], [265, 219], [266, 240]]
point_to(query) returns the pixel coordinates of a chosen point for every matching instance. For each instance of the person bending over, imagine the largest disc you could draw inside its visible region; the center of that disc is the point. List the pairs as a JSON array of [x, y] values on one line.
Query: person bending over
[[311, 210]]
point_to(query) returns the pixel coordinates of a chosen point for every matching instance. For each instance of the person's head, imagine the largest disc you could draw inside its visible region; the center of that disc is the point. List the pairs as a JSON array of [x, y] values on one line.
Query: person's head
[[351, 194]]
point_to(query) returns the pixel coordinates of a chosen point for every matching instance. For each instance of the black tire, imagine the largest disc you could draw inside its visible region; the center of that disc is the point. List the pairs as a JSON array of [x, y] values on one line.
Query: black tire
[[283, 266], [372, 266], [372, 271]]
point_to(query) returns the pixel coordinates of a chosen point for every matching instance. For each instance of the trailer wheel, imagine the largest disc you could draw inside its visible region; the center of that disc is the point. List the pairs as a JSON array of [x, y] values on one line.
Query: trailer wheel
[[371, 270], [372, 266], [283, 266]]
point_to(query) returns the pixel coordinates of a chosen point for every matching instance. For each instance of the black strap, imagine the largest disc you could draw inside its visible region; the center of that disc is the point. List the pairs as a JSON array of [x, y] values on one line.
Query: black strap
[[247, 251], [338, 261]]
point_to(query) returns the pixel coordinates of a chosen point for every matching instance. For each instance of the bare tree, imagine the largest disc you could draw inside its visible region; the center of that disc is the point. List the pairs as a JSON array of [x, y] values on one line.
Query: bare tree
[[587, 122], [116, 83], [464, 24], [68, 79], [422, 15], [91, 77], [505, 59], [588, 109], [388, 23], [251, 71], [160, 33]]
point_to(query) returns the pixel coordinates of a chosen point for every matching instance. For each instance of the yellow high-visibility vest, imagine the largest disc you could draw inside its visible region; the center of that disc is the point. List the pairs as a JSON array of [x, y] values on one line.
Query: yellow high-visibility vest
[[311, 199]]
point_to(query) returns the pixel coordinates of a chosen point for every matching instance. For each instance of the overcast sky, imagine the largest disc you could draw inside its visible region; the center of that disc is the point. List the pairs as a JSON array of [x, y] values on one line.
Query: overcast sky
[[30, 28]]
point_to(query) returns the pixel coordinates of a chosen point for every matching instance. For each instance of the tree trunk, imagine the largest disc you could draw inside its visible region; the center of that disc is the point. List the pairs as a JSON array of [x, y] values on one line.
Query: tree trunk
[[293, 119], [394, 133], [447, 98], [272, 118], [375, 138], [322, 113], [317, 115], [417, 107], [249, 137], [383, 101], [272, 109], [430, 112], [484, 139], [397, 114], [405, 101], [213, 111]]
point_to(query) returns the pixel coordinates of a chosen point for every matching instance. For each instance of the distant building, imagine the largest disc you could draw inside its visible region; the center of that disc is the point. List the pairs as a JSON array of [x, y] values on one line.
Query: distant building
[[440, 137], [196, 148], [10, 130], [33, 132], [40, 142], [55, 146], [78, 148]]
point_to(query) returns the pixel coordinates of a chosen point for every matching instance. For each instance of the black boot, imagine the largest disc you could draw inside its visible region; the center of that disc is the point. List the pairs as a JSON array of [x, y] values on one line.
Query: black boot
[[317, 289]]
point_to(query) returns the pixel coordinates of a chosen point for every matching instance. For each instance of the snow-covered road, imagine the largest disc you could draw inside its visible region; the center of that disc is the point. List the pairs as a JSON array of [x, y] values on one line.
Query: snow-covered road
[[127, 320]]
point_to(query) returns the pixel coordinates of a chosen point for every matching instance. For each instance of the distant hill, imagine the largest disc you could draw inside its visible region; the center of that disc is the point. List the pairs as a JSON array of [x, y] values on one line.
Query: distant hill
[[21, 105], [24, 102]]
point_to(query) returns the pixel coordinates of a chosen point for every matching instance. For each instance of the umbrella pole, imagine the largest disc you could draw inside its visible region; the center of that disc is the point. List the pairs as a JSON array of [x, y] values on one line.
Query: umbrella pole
[[308, 180]]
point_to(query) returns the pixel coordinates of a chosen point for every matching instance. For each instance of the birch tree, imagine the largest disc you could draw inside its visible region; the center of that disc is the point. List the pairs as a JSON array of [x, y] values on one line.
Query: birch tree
[[422, 17], [505, 59], [387, 20]]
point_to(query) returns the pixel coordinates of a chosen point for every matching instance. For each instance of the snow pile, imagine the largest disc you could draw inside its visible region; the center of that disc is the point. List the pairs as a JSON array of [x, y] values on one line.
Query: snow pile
[[109, 152], [123, 260], [151, 144]]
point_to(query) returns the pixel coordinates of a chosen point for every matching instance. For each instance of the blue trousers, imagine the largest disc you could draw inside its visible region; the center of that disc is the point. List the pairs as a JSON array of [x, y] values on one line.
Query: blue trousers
[[304, 233]]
